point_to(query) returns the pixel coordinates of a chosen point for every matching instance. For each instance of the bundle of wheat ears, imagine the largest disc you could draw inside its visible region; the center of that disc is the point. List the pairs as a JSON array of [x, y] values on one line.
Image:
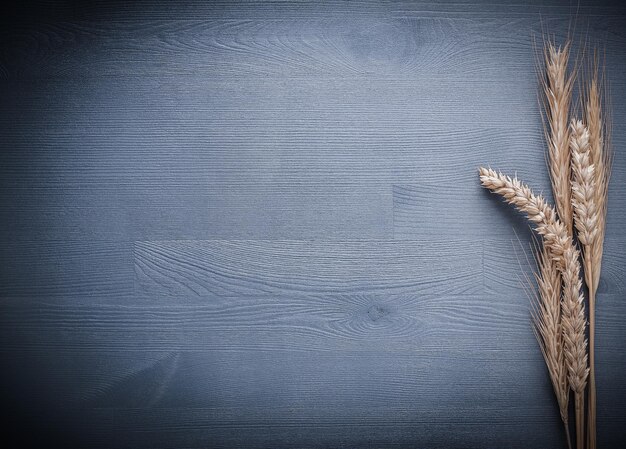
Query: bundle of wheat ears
[[571, 232]]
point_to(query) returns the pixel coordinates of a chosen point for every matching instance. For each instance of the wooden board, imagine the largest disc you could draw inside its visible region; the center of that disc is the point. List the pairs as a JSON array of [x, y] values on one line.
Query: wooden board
[[258, 224]]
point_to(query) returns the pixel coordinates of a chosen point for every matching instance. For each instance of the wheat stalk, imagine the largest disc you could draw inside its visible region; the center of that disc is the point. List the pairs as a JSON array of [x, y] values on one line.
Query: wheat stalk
[[548, 330], [557, 89], [599, 157], [559, 243]]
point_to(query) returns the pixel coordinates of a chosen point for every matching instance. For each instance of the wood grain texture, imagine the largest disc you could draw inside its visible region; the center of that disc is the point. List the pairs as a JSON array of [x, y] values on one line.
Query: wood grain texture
[[355, 322], [246, 267], [375, 45], [251, 224], [164, 212], [479, 326], [66, 269]]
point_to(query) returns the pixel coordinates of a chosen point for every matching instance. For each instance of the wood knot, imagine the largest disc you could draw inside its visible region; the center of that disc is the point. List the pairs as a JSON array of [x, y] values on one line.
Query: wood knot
[[377, 312]]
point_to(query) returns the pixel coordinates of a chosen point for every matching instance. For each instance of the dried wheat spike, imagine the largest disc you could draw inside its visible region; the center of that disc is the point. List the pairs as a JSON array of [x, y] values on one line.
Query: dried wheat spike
[[600, 158], [557, 89], [562, 251], [548, 329], [583, 186]]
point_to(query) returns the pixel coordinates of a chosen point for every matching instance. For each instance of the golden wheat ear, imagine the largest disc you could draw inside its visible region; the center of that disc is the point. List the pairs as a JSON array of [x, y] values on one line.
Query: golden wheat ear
[[561, 249], [548, 328], [557, 97], [596, 115], [583, 187]]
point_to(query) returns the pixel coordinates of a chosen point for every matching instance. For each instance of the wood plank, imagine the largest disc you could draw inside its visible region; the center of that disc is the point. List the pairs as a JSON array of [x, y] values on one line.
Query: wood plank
[[485, 326], [260, 9], [69, 269], [366, 322], [252, 427], [232, 267], [172, 141], [208, 395], [204, 102], [283, 378], [388, 427], [489, 45], [316, 264], [176, 213]]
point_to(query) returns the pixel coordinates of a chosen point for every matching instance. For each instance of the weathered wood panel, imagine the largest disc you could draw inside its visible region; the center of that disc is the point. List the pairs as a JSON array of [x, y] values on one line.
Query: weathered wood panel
[[66, 268], [258, 224], [247, 267]]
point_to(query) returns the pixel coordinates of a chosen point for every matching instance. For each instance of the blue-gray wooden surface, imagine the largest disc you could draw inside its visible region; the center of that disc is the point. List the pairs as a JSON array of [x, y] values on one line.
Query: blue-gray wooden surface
[[259, 224]]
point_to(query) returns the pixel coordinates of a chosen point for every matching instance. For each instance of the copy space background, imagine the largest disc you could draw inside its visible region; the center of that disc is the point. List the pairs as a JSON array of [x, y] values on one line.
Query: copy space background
[[259, 224]]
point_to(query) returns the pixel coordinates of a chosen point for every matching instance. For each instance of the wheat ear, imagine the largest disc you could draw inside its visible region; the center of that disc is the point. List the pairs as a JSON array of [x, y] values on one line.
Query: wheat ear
[[548, 330], [599, 155], [561, 249], [583, 189], [557, 89], [600, 158]]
